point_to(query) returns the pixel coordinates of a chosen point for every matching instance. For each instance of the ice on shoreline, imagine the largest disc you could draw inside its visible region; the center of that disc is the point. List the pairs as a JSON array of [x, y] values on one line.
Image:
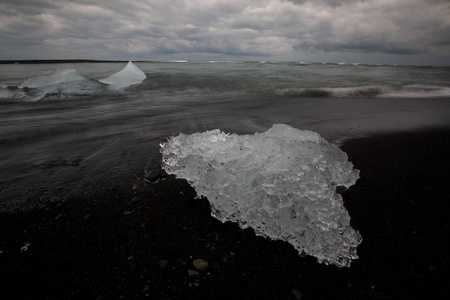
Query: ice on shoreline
[[51, 77], [281, 182], [57, 84], [67, 83], [128, 76]]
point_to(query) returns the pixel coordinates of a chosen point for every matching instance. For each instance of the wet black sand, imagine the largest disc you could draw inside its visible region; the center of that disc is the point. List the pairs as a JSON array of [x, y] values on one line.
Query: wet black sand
[[133, 240]]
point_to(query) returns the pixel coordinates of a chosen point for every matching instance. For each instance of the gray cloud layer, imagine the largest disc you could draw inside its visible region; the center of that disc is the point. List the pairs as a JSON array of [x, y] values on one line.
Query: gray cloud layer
[[275, 29]]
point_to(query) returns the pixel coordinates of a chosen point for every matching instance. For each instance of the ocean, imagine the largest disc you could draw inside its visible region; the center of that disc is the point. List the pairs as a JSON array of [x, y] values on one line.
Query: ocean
[[66, 142]]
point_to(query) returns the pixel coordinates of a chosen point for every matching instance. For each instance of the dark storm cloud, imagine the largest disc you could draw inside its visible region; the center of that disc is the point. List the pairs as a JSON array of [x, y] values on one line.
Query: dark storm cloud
[[104, 29], [386, 27]]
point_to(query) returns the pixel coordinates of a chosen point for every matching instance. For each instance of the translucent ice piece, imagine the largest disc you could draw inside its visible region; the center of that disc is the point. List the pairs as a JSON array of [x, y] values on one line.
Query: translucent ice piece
[[130, 75], [51, 77], [282, 183], [57, 84]]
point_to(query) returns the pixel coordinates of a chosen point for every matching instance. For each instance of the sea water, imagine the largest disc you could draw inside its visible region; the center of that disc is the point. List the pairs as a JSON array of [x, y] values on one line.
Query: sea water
[[46, 143]]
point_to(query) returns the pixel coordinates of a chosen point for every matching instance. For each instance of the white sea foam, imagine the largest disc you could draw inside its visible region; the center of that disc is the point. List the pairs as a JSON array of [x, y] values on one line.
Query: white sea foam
[[282, 183], [420, 91], [408, 91]]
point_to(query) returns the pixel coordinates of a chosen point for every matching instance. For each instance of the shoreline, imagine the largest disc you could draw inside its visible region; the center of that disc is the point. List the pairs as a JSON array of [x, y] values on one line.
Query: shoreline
[[137, 240]]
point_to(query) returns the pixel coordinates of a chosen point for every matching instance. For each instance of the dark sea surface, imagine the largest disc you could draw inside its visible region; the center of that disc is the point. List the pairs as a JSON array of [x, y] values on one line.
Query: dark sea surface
[[67, 141]]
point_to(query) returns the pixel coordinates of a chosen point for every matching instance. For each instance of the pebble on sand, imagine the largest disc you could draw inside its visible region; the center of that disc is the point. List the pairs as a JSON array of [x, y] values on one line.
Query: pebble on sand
[[163, 263], [200, 264]]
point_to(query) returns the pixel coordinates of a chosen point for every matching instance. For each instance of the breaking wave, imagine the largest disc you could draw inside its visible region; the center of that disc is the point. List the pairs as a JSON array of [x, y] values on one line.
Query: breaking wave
[[408, 91], [295, 79]]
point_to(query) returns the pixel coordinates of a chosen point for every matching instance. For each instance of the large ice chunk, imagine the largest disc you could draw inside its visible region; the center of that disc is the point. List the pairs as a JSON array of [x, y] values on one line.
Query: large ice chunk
[[59, 83], [130, 75], [282, 183], [51, 77]]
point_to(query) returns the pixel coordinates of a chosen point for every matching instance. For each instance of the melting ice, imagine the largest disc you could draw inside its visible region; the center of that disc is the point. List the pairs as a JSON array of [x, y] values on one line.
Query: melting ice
[[281, 182], [56, 84], [130, 75], [67, 83], [52, 77]]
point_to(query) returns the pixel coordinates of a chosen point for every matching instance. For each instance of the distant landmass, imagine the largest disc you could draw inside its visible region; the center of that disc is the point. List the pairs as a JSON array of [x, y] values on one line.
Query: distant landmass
[[58, 61]]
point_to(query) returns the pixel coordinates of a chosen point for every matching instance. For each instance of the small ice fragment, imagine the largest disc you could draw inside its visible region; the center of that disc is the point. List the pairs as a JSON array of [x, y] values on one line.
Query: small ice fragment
[[130, 75], [281, 182], [25, 247]]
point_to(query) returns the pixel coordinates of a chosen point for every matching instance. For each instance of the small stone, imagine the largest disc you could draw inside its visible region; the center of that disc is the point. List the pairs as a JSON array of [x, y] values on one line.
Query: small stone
[[163, 263], [146, 288], [133, 201], [182, 261], [75, 162], [55, 200], [133, 267], [59, 217], [200, 264], [130, 257], [87, 217], [297, 294], [127, 212], [192, 273], [155, 174]]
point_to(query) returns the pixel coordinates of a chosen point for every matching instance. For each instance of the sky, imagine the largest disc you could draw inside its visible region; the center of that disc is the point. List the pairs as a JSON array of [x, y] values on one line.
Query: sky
[[365, 31]]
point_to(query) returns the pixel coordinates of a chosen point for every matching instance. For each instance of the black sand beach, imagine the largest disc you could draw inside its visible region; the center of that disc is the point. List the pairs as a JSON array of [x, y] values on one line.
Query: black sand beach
[[136, 240]]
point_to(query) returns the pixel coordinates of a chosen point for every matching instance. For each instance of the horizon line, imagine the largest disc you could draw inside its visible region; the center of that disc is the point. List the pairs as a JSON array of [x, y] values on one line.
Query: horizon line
[[82, 60]]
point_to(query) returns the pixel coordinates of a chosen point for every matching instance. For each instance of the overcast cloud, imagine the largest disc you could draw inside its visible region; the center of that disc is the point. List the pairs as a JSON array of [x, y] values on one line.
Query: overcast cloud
[[381, 31]]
